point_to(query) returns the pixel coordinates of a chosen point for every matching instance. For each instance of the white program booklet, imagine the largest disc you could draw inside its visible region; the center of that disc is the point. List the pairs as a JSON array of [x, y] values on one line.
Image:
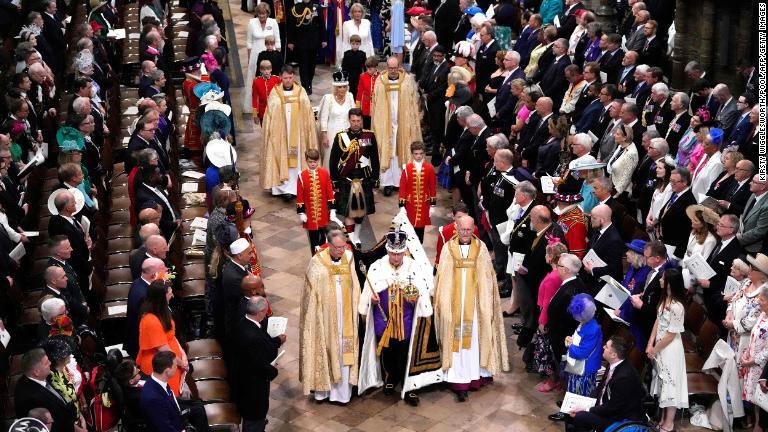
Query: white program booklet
[[612, 315], [731, 286], [18, 252], [613, 294], [189, 187], [276, 325], [591, 257], [117, 310], [5, 337], [199, 223], [572, 402], [193, 174], [547, 185], [198, 238], [699, 266]]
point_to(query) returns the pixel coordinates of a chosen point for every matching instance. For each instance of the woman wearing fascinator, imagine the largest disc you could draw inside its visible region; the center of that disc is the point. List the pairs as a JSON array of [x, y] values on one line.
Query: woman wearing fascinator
[[689, 140]]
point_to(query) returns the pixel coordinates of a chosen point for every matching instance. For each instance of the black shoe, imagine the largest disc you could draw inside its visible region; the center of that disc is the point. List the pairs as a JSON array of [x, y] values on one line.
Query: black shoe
[[517, 326], [559, 403], [411, 399], [558, 417], [389, 390], [462, 396], [507, 293], [387, 191]]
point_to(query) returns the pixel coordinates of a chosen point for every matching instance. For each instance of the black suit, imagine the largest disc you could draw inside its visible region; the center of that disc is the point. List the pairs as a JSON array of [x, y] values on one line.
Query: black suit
[[231, 277], [446, 16], [525, 44], [479, 157], [627, 80], [646, 315], [534, 260], [560, 323], [675, 224], [256, 350], [568, 21], [720, 260], [73, 292], [54, 34], [534, 134], [485, 65], [462, 158], [619, 398], [553, 82], [610, 63], [169, 215], [136, 259], [420, 56], [433, 83], [29, 394], [610, 248], [78, 311], [79, 261], [653, 53], [136, 143], [660, 115], [505, 101], [675, 131]]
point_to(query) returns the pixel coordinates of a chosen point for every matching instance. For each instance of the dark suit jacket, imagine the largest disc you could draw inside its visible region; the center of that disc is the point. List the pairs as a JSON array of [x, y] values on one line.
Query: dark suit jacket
[[168, 217], [610, 63], [525, 44], [721, 264], [57, 225], [479, 157], [641, 93], [434, 81], [505, 102], [485, 65], [589, 117], [136, 259], [676, 130], [675, 224], [136, 143], [741, 132], [136, 296], [610, 248], [564, 325], [568, 21], [652, 52], [622, 399], [54, 36], [161, 412], [521, 237], [419, 59], [553, 83], [73, 292], [256, 350], [77, 310], [646, 316], [628, 81], [231, 276], [533, 135], [29, 394], [534, 260], [446, 17]]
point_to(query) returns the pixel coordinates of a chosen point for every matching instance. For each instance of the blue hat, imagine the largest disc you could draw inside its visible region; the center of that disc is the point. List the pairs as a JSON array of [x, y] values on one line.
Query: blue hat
[[472, 11], [70, 140], [204, 87], [636, 245], [716, 135]]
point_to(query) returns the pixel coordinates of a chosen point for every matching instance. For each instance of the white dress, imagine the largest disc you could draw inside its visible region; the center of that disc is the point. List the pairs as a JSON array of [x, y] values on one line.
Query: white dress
[[348, 29], [669, 376], [333, 118], [254, 40], [703, 249]]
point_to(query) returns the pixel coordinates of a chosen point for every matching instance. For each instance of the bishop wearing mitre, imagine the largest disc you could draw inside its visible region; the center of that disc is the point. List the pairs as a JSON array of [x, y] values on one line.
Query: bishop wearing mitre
[[467, 311], [395, 121], [328, 344], [289, 130]]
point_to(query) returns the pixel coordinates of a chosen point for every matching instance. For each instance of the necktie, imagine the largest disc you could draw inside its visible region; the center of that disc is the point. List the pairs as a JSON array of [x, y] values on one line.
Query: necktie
[[519, 214], [749, 207], [597, 238], [605, 385], [673, 198], [715, 251]]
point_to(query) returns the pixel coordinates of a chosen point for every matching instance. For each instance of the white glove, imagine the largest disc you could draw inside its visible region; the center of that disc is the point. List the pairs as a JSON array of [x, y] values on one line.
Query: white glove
[[432, 211], [402, 211], [333, 217], [303, 217]]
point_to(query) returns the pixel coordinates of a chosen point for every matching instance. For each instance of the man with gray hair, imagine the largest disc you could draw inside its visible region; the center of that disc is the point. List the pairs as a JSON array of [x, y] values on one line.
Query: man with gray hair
[[679, 124], [497, 192], [553, 82], [459, 140], [519, 237], [157, 79], [728, 113], [478, 156], [255, 353], [659, 113], [423, 54]]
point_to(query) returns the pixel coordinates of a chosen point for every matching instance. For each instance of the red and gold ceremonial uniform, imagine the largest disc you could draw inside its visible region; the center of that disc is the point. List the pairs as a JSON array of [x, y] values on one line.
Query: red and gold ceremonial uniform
[[365, 91], [314, 197], [418, 192], [260, 92], [573, 221], [192, 133]]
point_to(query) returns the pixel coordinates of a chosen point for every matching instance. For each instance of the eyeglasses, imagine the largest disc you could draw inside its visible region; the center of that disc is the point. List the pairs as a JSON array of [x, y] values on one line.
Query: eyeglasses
[[725, 226]]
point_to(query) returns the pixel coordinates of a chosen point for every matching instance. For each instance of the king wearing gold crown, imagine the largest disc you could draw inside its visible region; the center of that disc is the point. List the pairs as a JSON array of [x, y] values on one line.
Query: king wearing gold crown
[[394, 298]]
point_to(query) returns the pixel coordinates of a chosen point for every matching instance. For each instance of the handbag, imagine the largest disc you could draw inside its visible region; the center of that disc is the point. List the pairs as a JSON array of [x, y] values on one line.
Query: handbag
[[576, 367]]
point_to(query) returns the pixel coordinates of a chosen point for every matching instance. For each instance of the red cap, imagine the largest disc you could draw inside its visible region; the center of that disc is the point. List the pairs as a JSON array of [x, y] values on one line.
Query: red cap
[[418, 10]]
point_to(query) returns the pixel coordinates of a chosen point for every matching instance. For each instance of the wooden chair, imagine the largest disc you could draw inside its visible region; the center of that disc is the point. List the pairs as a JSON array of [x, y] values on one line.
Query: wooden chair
[[115, 261], [209, 369], [120, 204], [695, 315], [705, 342], [119, 276], [204, 349], [117, 292], [222, 416], [701, 384], [191, 213], [120, 218], [194, 272], [213, 391], [119, 231], [119, 245]]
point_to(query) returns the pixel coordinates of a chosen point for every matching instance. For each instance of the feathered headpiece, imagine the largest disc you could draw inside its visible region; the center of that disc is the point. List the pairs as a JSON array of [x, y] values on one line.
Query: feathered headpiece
[[704, 114], [552, 239], [83, 60]]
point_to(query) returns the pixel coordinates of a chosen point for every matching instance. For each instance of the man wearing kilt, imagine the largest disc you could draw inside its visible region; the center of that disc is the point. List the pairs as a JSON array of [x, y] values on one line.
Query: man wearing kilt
[[354, 167]]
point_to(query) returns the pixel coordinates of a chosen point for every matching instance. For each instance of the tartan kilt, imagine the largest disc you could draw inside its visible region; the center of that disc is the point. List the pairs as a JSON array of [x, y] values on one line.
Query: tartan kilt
[[343, 197]]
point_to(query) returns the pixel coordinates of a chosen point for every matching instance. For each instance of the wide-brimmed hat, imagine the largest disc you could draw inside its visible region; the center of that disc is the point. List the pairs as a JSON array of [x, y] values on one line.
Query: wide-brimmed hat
[[79, 200], [220, 153], [207, 92], [70, 139], [586, 162], [759, 262], [218, 106], [636, 245], [710, 216], [463, 49], [466, 75], [396, 241]]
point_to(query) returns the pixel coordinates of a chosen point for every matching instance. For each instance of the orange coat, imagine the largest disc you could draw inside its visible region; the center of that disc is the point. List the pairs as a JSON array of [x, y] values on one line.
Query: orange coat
[[260, 92], [314, 197], [418, 192], [151, 337]]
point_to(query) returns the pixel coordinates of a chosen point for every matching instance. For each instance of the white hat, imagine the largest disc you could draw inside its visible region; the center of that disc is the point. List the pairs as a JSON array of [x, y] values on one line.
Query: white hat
[[79, 200], [210, 96], [585, 162], [216, 105], [238, 246], [220, 153]]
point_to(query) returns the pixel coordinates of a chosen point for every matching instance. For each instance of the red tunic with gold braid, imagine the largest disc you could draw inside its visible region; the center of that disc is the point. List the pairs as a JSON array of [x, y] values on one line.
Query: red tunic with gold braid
[[574, 224], [192, 133], [418, 192], [314, 197]]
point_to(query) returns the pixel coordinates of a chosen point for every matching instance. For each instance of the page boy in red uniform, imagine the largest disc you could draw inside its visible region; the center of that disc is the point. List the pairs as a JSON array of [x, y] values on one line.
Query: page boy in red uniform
[[418, 194], [315, 202]]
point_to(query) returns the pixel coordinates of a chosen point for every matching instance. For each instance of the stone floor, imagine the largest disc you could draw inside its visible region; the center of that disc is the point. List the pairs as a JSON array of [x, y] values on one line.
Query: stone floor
[[511, 403]]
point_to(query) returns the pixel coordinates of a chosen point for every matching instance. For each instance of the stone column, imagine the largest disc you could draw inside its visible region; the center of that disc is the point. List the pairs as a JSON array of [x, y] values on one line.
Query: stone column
[[706, 33], [682, 51]]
